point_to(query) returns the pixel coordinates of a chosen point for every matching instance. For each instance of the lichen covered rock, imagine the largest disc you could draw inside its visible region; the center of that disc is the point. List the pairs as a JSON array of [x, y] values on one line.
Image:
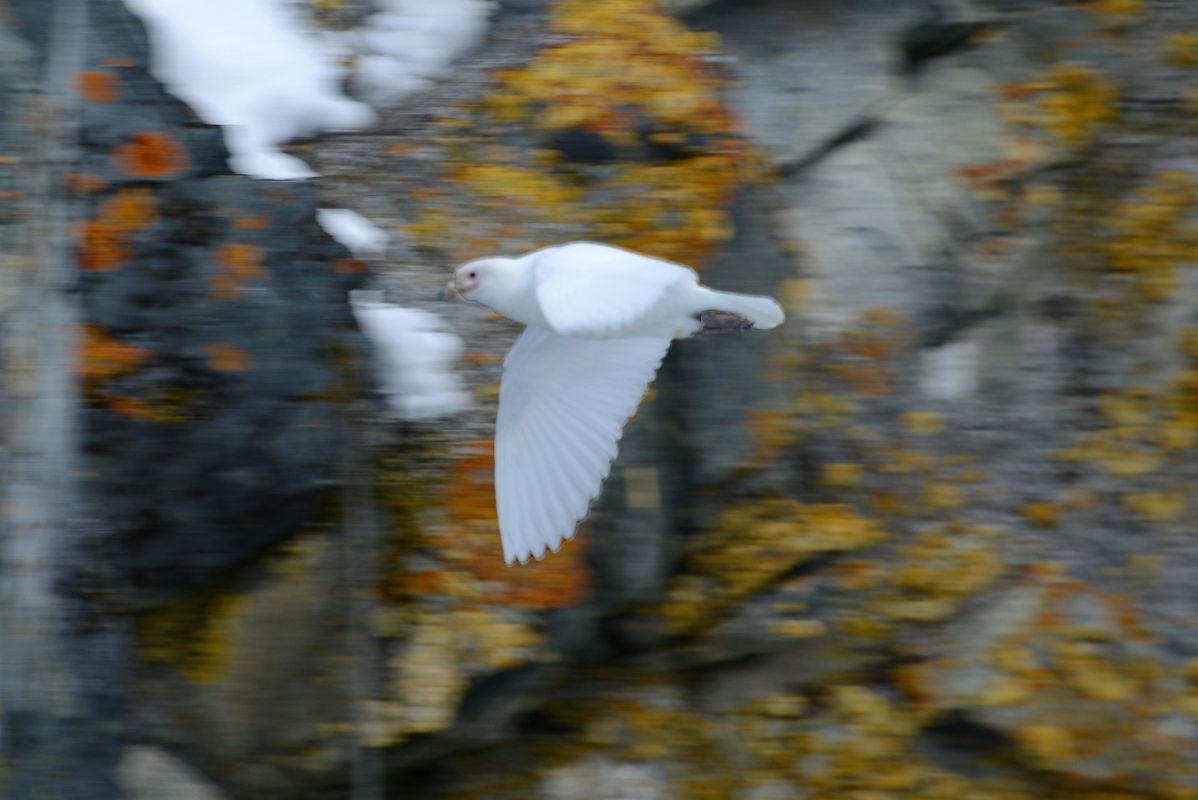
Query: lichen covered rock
[[215, 333], [930, 539]]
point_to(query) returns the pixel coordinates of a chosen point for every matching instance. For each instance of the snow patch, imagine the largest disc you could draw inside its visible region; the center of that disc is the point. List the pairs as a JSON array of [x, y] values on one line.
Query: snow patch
[[950, 372], [251, 65], [409, 42], [360, 235], [414, 351], [256, 68]]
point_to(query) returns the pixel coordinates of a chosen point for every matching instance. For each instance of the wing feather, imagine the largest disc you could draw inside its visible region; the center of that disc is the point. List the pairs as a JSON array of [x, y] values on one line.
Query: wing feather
[[572, 475], [563, 403], [588, 289]]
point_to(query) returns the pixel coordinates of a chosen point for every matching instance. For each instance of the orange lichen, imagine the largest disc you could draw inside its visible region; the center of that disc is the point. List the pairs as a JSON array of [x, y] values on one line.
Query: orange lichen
[[138, 409], [97, 86], [102, 239], [85, 183], [251, 223], [480, 357], [227, 358], [401, 149], [240, 263], [867, 379], [1016, 90], [129, 210], [101, 356], [151, 154], [990, 180], [349, 266], [860, 359], [101, 247], [468, 544], [885, 318]]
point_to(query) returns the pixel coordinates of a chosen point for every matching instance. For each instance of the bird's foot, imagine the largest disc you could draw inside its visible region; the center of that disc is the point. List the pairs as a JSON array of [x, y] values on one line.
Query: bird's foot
[[723, 322]]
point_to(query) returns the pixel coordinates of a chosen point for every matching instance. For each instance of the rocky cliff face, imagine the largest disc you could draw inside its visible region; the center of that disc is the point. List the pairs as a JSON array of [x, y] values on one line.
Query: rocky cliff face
[[931, 539]]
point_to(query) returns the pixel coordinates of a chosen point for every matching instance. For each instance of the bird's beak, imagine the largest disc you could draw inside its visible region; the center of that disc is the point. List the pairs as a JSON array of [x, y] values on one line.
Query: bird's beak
[[451, 291]]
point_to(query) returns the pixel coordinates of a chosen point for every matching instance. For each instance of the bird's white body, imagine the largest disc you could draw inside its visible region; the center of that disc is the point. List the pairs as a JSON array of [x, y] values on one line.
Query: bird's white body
[[600, 319]]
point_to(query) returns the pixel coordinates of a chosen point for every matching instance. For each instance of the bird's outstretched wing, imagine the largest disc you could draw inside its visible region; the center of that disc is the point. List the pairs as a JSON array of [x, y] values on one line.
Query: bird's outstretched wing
[[588, 289], [563, 403]]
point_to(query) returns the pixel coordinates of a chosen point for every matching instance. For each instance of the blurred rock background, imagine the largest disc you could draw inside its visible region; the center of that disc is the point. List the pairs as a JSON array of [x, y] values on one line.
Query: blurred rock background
[[932, 539]]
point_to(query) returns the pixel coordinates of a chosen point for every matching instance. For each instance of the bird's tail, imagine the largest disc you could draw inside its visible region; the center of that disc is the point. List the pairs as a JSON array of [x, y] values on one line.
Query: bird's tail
[[763, 312]]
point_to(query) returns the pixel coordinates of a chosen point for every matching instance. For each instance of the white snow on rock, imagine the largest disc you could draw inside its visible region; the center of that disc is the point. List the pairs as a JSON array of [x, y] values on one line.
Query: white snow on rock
[[252, 67], [414, 351], [951, 371], [257, 69], [409, 42], [360, 235]]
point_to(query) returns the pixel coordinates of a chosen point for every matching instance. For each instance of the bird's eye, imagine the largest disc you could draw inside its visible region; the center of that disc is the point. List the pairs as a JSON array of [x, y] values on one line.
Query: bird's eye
[[472, 275]]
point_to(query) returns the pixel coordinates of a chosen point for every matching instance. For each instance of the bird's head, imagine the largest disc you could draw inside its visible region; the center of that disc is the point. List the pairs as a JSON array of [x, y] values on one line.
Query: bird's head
[[479, 280]]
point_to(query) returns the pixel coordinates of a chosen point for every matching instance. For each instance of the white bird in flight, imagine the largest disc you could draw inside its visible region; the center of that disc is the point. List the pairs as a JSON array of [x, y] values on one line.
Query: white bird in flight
[[599, 321]]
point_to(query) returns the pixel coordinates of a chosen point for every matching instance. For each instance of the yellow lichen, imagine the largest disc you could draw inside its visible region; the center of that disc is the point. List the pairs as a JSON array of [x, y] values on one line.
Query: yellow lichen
[[631, 79], [1087, 672], [193, 634], [798, 628], [1042, 515], [923, 423], [1155, 232], [1157, 506], [751, 546], [1117, 14], [1071, 102], [942, 497], [1181, 48], [1048, 744], [842, 474], [938, 569]]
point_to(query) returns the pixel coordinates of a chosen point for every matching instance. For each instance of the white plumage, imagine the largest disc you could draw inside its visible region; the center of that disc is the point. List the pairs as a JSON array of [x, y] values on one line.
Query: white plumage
[[600, 319]]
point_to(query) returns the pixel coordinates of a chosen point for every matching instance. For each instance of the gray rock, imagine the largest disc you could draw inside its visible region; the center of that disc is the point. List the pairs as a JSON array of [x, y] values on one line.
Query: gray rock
[[147, 773], [229, 285]]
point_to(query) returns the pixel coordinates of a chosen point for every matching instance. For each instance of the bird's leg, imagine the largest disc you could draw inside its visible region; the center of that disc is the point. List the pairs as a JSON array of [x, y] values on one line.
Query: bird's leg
[[723, 322]]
